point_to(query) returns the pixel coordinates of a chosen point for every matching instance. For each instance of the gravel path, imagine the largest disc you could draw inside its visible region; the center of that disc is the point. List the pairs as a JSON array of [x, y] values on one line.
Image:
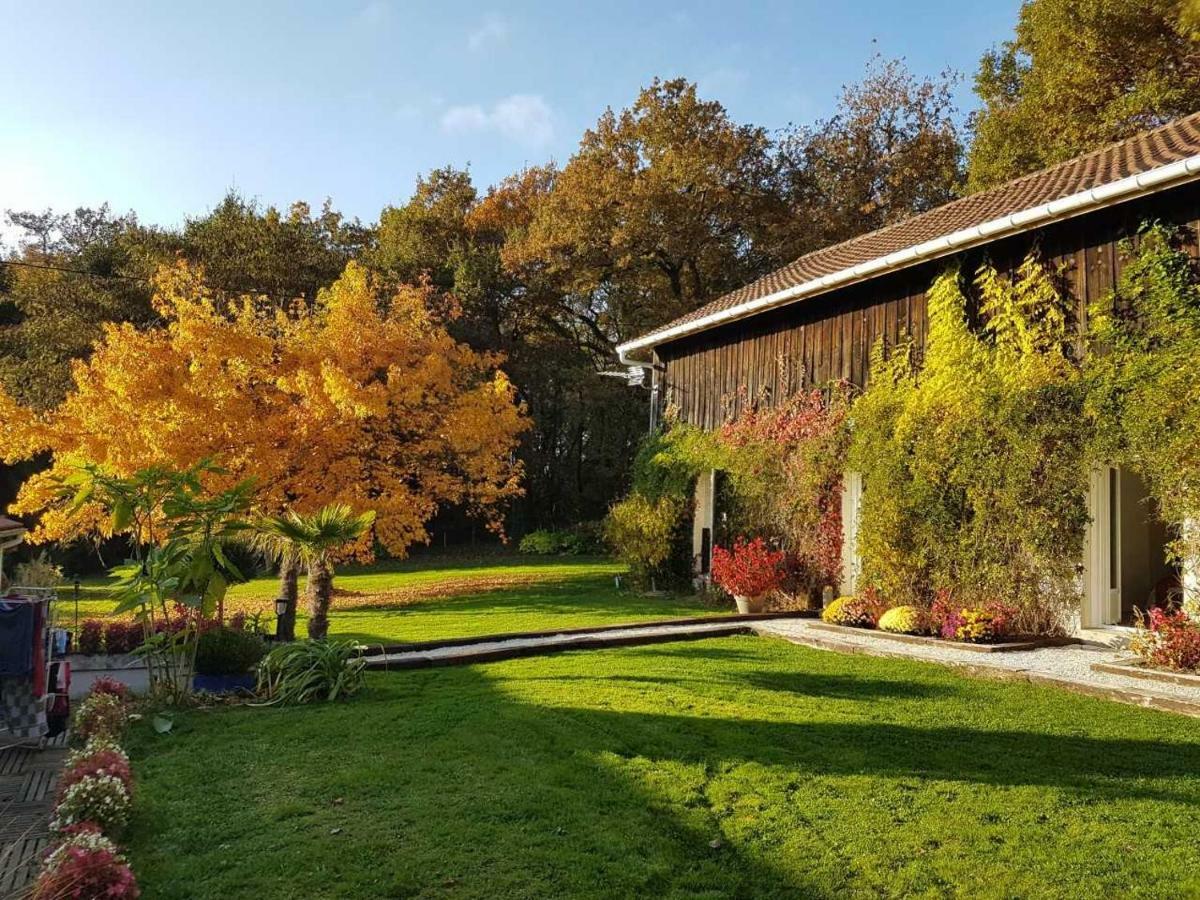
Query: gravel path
[[1068, 666]]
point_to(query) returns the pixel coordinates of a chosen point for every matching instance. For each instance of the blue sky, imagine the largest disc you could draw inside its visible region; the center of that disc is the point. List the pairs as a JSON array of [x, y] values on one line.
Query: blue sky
[[161, 107]]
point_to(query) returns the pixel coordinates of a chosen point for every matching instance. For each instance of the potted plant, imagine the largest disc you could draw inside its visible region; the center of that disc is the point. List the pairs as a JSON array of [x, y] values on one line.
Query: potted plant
[[749, 572], [226, 659]]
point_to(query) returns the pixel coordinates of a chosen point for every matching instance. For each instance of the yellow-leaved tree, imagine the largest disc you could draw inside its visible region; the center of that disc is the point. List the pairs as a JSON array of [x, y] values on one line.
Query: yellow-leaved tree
[[361, 398]]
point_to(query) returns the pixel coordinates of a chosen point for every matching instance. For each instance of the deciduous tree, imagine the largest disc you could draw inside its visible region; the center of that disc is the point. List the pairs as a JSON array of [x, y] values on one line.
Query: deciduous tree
[[890, 150], [1077, 75], [660, 209], [360, 398]]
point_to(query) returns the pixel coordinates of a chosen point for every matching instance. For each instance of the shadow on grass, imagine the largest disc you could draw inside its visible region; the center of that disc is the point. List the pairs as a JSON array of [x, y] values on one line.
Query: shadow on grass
[[842, 687], [477, 782]]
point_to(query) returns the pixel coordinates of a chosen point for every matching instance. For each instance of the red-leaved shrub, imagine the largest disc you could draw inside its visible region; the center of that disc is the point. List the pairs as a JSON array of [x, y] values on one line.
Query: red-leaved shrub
[[91, 637], [106, 684], [795, 449], [749, 569], [1168, 639], [122, 637], [86, 865]]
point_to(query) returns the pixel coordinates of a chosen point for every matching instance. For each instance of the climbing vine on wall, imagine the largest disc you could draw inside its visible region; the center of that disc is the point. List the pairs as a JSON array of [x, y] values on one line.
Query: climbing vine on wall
[[782, 467], [1144, 392], [973, 458]]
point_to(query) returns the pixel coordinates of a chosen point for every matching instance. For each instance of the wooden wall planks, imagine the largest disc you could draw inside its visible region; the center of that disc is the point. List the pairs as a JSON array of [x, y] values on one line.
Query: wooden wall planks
[[712, 375]]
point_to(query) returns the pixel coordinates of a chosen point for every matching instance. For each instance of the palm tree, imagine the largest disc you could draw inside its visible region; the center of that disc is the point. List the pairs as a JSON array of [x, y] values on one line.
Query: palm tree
[[310, 541]]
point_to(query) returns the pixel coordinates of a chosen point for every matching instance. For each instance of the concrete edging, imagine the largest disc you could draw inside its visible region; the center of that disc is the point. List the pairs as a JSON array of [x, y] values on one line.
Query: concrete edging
[[1133, 669], [416, 660], [441, 643]]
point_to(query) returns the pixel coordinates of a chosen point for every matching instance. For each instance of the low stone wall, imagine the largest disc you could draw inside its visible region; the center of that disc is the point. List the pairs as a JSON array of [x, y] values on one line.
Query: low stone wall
[[123, 667]]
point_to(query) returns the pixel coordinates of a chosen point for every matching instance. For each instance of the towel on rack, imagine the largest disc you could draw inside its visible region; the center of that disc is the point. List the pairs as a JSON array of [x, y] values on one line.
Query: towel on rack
[[39, 649], [23, 712], [16, 637]]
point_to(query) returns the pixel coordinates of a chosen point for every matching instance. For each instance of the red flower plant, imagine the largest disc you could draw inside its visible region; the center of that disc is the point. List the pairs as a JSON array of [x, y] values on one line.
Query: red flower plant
[[86, 866], [749, 569], [1169, 639], [106, 684], [102, 762]]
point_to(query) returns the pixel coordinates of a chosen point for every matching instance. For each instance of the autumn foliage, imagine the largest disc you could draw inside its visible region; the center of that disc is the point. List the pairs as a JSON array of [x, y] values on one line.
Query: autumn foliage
[[361, 398], [749, 568]]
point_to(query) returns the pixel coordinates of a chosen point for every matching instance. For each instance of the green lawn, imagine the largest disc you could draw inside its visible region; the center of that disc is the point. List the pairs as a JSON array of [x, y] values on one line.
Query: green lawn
[[434, 598], [742, 767]]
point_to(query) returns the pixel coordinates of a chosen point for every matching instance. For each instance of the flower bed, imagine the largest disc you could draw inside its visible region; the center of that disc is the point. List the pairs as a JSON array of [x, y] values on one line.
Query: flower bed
[[95, 794], [985, 624], [1167, 639]]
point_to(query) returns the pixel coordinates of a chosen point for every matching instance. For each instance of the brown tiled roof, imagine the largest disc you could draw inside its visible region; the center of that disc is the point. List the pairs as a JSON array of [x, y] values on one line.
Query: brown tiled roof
[[1133, 156]]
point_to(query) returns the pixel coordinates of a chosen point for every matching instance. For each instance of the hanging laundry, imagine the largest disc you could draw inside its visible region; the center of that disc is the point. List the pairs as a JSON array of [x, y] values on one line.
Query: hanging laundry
[[17, 635]]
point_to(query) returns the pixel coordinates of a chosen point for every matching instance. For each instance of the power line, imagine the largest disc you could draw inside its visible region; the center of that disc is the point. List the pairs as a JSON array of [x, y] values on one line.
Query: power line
[[141, 278], [50, 268]]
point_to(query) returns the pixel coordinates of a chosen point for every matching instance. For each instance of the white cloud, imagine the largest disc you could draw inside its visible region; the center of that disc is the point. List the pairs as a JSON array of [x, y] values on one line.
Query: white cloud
[[464, 118], [524, 118], [493, 30], [374, 14]]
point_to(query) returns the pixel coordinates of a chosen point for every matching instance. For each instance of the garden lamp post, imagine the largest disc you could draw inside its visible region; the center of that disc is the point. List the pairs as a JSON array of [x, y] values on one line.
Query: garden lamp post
[[281, 608]]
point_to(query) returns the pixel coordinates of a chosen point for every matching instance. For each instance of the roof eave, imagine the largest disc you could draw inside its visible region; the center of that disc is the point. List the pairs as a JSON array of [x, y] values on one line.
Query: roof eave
[[636, 352]]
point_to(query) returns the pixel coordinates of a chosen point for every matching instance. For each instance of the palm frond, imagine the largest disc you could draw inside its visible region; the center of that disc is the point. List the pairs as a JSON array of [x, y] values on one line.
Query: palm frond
[[310, 537]]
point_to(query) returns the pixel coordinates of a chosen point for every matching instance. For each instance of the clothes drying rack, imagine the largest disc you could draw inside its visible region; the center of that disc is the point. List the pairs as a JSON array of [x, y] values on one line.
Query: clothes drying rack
[[35, 707]]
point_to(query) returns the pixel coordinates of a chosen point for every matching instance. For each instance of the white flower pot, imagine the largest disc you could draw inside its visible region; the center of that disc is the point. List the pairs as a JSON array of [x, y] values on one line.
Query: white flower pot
[[747, 605]]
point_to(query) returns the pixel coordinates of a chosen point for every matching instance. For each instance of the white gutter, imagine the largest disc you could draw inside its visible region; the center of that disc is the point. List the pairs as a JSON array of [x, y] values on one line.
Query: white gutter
[[1025, 220]]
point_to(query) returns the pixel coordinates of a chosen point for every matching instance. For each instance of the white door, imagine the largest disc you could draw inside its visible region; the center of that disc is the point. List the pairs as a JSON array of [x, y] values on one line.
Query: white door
[[1102, 602], [852, 488]]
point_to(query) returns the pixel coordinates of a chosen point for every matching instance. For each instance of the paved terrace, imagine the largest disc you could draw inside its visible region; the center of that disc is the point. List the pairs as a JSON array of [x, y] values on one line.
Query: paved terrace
[[1068, 666], [27, 783]]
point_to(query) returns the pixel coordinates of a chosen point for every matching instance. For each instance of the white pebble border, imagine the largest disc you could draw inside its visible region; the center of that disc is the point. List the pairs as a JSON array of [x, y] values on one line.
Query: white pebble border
[[1069, 664]]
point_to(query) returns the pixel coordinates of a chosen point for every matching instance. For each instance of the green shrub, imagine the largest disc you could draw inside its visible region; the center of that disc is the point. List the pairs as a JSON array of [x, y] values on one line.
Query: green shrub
[[311, 672], [543, 542], [584, 538], [640, 532], [904, 620], [974, 462], [1144, 396], [228, 651]]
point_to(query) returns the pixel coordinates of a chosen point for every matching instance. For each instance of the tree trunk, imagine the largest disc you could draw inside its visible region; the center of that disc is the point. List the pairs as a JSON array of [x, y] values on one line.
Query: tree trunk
[[320, 590], [289, 592]]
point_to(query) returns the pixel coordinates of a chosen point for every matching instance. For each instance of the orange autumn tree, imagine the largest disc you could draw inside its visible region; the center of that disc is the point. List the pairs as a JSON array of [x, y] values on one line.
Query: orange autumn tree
[[362, 399]]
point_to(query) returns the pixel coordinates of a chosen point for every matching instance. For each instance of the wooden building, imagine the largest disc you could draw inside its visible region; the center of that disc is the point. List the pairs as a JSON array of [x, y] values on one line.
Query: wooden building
[[817, 319]]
